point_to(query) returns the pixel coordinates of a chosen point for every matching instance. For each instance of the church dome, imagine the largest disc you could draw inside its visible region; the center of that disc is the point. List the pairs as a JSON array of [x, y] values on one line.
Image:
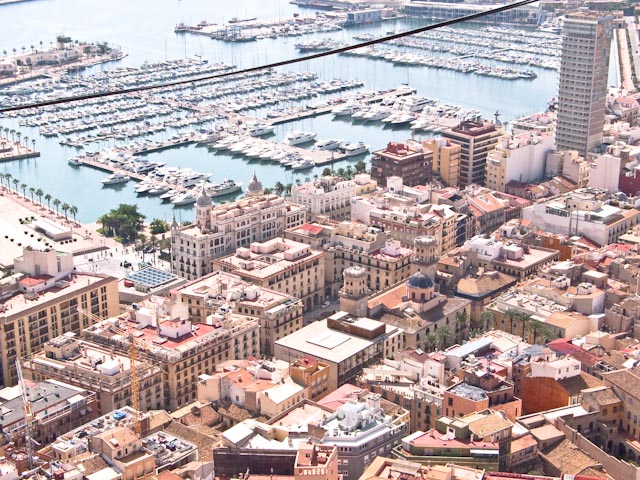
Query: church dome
[[203, 200], [254, 185], [419, 280]]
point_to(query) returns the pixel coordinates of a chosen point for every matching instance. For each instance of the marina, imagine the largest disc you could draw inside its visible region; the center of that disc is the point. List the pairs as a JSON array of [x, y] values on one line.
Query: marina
[[179, 126]]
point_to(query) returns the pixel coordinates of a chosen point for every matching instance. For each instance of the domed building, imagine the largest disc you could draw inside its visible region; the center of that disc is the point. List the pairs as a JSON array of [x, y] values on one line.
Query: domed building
[[425, 255], [255, 188], [354, 294]]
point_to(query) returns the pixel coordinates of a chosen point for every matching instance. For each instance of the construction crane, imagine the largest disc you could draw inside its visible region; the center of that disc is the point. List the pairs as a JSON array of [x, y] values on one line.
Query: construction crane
[[133, 358], [28, 415]]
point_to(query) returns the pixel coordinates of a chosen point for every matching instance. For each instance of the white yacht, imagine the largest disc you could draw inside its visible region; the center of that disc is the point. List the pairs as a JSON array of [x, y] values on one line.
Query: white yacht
[[376, 114], [224, 188], [354, 148], [402, 119], [184, 198], [296, 137], [329, 144], [417, 104], [346, 109], [304, 164], [192, 180], [115, 179], [75, 161], [169, 194], [144, 186], [261, 130], [159, 189]]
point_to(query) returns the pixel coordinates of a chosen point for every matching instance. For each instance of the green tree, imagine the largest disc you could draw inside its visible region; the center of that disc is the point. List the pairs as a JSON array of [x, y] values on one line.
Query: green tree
[[430, 341], [56, 203], [73, 210], [361, 166], [124, 222], [341, 172], [23, 186], [461, 325], [39, 194], [15, 184], [48, 198], [158, 226], [488, 319], [327, 172], [443, 334], [65, 208], [511, 316], [32, 191], [278, 188], [349, 172]]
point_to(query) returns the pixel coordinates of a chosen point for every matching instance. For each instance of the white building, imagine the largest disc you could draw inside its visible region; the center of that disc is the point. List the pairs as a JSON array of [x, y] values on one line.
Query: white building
[[518, 157], [583, 212], [557, 369], [331, 196], [605, 172]]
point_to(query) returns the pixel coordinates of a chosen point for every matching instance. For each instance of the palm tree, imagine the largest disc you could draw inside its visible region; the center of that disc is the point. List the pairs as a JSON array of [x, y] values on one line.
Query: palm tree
[[278, 188], [8, 177], [24, 190], [2, 177], [487, 319], [65, 208], [349, 172], [525, 319], [443, 335], [19, 135], [33, 143], [15, 184], [461, 325], [511, 315], [73, 210], [430, 341], [32, 191], [48, 198], [340, 172], [39, 194], [56, 203]]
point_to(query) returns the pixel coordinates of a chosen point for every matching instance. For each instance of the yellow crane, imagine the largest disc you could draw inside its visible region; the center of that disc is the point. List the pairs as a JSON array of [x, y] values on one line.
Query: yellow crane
[[133, 358]]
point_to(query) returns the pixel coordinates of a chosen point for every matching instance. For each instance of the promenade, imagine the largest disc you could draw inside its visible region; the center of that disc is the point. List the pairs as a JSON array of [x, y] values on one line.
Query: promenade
[[11, 150]]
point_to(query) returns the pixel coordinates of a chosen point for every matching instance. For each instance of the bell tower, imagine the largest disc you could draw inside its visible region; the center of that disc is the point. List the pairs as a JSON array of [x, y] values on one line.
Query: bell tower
[[354, 293]]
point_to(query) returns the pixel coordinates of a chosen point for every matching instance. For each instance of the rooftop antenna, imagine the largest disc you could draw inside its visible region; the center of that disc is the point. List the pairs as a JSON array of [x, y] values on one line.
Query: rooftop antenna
[[489, 358]]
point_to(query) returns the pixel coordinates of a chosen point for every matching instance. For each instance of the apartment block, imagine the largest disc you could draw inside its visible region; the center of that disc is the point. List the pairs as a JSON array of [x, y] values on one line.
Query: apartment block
[[42, 300], [278, 314], [446, 159], [476, 140], [85, 364], [282, 265], [413, 166], [166, 337]]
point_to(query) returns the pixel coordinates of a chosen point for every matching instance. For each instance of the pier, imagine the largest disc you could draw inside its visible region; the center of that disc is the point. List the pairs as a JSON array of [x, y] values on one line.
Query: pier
[[11, 150]]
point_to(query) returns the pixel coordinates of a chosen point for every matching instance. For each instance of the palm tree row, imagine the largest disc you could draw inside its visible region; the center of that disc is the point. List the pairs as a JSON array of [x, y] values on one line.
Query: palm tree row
[[38, 192], [16, 134], [527, 327]]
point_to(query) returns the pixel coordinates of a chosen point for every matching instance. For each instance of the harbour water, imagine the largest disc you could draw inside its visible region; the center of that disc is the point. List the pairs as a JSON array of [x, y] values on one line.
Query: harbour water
[[144, 30]]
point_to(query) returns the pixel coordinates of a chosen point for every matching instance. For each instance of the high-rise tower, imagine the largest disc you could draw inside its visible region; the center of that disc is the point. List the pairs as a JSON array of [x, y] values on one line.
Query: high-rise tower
[[584, 71]]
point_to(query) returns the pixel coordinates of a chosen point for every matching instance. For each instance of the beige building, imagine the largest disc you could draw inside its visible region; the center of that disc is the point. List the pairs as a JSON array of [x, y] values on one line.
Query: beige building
[[282, 265], [278, 314], [89, 365], [446, 159], [42, 301], [221, 229], [124, 450], [476, 140], [166, 337]]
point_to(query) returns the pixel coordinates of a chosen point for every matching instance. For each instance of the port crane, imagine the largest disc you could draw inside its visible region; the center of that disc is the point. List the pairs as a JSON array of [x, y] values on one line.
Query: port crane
[[28, 415], [134, 345]]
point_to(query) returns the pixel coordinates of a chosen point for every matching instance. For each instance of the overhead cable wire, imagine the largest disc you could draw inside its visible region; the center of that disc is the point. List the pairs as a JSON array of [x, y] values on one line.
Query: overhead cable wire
[[281, 63]]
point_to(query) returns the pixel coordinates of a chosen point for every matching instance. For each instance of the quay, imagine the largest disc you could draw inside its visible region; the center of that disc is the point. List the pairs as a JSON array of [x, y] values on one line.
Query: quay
[[11, 150]]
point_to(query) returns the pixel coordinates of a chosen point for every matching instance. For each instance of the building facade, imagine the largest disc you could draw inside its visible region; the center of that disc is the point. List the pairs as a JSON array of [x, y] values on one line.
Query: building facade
[[584, 71], [400, 160], [476, 140], [222, 229]]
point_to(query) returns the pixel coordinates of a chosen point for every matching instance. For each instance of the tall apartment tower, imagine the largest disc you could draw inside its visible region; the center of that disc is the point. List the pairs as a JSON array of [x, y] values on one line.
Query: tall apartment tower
[[584, 71], [476, 140]]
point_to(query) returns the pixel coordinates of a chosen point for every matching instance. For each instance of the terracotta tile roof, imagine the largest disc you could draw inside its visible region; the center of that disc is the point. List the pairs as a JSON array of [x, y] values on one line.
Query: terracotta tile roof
[[627, 380], [568, 458], [311, 229], [574, 385]]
